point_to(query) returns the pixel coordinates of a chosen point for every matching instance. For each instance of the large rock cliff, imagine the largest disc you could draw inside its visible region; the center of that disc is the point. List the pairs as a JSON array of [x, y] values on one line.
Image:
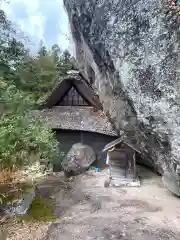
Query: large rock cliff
[[131, 49]]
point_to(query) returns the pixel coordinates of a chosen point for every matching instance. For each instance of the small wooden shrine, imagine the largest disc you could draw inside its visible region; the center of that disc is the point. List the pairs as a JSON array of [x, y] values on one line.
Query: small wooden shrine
[[121, 158]]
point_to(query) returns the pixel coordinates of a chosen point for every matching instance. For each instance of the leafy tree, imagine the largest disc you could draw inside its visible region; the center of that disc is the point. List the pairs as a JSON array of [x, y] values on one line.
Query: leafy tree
[[66, 63], [11, 49], [56, 53], [42, 50], [37, 75], [24, 79], [21, 141], [66, 57]]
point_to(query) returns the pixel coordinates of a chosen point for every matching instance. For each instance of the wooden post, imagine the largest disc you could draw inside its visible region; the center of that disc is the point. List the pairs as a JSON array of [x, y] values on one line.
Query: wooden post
[[82, 125], [134, 164]]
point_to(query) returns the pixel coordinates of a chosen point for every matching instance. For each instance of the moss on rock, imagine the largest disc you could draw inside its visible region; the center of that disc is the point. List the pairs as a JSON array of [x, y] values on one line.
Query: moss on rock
[[41, 210]]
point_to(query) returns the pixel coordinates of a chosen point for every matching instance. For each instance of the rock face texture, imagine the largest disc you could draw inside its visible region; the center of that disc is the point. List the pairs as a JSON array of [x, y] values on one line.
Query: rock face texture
[[130, 49]]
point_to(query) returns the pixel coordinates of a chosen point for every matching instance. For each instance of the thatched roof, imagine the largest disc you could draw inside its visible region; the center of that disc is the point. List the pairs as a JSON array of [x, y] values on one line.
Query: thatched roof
[[86, 118], [75, 118], [82, 86]]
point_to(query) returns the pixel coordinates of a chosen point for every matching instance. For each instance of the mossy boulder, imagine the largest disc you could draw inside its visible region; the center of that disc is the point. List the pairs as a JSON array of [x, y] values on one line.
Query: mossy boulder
[[18, 203], [41, 210]]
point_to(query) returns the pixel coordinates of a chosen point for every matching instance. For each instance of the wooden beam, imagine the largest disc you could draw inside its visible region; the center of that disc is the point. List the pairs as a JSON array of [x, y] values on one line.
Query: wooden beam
[[134, 164]]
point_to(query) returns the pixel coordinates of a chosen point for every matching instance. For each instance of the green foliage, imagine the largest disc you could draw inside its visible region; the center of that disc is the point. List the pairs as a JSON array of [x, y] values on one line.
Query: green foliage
[[39, 74], [12, 50], [20, 138], [24, 79], [56, 53], [42, 50]]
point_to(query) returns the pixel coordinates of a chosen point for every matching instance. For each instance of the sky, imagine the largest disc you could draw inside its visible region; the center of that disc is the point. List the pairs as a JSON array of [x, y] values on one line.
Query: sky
[[41, 19]]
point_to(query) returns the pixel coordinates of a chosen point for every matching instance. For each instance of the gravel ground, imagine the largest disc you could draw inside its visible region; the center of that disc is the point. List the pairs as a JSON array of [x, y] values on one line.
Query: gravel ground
[[89, 211]]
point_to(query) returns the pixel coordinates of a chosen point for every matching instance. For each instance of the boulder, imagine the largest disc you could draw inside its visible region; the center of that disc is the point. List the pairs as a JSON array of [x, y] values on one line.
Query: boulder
[[19, 206], [78, 159], [131, 49]]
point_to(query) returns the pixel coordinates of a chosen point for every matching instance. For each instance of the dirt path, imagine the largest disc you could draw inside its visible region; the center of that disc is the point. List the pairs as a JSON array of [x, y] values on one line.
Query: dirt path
[[91, 212]]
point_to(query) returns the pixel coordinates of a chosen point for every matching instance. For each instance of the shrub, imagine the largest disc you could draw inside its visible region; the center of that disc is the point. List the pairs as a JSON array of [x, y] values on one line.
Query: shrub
[[20, 139]]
